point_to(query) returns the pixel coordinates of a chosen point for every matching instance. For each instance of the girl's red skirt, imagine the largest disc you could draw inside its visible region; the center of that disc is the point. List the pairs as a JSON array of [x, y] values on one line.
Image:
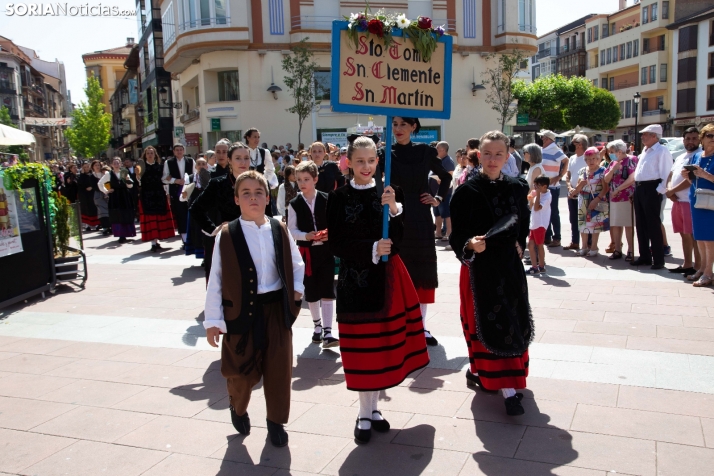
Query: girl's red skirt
[[495, 372], [156, 227], [90, 220], [426, 296], [380, 355]]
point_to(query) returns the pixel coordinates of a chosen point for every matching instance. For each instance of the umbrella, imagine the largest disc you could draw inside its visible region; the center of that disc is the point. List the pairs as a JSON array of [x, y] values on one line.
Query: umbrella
[[580, 130], [11, 136]]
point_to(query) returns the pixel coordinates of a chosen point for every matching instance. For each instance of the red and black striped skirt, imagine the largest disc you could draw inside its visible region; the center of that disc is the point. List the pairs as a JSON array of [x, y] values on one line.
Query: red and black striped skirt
[[380, 355], [495, 372], [426, 296], [156, 227], [90, 220]]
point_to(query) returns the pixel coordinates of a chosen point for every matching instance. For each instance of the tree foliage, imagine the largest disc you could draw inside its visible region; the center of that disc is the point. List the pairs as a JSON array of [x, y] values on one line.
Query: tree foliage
[[300, 69], [89, 133], [602, 114], [5, 118], [500, 79]]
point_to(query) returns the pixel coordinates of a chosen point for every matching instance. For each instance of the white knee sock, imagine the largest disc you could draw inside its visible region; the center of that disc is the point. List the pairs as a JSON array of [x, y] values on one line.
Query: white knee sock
[[508, 392], [365, 409], [154, 242], [422, 307], [315, 312], [375, 402], [328, 311]]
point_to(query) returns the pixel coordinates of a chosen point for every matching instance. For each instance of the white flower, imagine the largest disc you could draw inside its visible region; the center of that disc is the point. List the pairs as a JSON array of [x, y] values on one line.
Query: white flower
[[354, 17], [403, 22]]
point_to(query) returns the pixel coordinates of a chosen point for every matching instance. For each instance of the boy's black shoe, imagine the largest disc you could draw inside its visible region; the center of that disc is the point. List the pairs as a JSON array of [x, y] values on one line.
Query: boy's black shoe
[[278, 436], [513, 405], [330, 341], [381, 426], [240, 423], [474, 381], [362, 436], [316, 337]]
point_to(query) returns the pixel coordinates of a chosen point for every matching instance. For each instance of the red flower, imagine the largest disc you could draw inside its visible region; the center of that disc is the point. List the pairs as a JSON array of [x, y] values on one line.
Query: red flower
[[424, 23], [376, 27]]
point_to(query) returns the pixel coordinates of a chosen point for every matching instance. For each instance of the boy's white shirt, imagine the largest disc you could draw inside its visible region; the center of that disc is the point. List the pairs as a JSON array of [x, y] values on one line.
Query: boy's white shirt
[[543, 215], [262, 251], [296, 233]]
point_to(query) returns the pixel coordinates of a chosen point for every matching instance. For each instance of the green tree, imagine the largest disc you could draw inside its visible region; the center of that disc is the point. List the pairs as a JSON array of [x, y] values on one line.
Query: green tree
[[300, 69], [89, 133], [601, 114], [500, 79], [6, 120], [548, 98]]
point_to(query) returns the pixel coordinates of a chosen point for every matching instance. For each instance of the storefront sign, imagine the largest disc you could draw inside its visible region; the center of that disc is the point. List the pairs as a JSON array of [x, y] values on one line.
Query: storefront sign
[[10, 241], [215, 124], [179, 131], [394, 81], [522, 119], [337, 138], [425, 136], [48, 121], [192, 139]]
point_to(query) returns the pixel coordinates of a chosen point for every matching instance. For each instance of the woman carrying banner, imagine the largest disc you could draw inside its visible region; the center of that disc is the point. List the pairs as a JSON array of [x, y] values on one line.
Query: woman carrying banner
[[411, 164], [490, 220]]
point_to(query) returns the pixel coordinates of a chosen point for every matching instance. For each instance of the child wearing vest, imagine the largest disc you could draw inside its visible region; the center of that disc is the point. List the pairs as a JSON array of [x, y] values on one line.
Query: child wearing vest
[[378, 315], [253, 298], [307, 222]]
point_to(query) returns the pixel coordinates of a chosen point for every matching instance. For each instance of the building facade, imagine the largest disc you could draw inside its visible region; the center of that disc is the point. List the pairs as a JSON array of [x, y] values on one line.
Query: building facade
[[224, 55], [561, 51], [127, 124]]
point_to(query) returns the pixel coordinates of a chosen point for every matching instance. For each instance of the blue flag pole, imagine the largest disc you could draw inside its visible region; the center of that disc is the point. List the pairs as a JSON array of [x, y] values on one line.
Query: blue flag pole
[[387, 177]]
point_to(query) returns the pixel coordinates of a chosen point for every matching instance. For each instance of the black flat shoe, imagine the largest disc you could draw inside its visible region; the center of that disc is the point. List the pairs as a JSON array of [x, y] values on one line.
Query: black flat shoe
[[678, 269], [640, 262], [329, 342], [240, 423], [362, 436], [431, 341], [689, 272], [154, 249], [121, 240], [657, 266], [513, 405], [382, 426], [473, 381], [278, 435], [316, 337]]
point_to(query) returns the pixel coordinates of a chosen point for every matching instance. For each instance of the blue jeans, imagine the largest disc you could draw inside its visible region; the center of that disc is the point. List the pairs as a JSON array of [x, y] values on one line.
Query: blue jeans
[[553, 231]]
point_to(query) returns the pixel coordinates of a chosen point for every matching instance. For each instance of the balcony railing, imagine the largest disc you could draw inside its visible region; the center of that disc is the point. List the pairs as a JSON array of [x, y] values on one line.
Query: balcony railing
[[7, 86], [317, 22], [547, 52], [626, 84], [191, 116], [203, 23], [653, 112], [569, 49]]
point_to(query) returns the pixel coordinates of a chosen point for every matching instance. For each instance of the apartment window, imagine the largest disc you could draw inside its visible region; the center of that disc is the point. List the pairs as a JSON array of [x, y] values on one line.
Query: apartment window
[[322, 85], [711, 66], [628, 109], [167, 23], [596, 31], [661, 43], [614, 54], [501, 26], [643, 79], [196, 13], [686, 70], [596, 59], [595, 82], [710, 101], [653, 74], [653, 12], [275, 13], [609, 56], [228, 89], [602, 59], [622, 109], [536, 71], [590, 35], [665, 10], [605, 30], [711, 34], [645, 104], [645, 46], [663, 73], [470, 16], [645, 15], [688, 38], [629, 49], [612, 83], [526, 16], [612, 28], [622, 52], [686, 100], [635, 48]]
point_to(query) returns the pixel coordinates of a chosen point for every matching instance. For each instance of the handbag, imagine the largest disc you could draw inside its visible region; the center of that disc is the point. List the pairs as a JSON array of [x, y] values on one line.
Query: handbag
[[704, 197], [602, 205]]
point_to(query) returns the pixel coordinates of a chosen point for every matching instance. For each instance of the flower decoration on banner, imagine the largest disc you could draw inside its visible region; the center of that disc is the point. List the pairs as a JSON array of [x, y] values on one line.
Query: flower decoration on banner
[[420, 32]]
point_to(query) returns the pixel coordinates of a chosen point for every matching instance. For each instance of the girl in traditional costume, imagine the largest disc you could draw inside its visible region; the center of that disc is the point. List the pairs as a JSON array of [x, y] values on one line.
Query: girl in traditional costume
[[155, 219]]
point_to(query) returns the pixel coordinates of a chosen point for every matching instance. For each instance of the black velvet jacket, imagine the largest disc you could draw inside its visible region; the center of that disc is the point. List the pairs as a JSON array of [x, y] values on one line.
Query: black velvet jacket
[[354, 221], [153, 195], [216, 204]]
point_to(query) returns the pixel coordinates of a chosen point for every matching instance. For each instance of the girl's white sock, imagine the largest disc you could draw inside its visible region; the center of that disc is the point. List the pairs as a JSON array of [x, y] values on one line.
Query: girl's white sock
[[375, 402], [328, 311], [422, 307], [365, 409], [315, 312], [508, 392]]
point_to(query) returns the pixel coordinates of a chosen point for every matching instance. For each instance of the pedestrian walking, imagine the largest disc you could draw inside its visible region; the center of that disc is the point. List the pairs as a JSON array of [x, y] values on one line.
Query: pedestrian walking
[[155, 219], [121, 203]]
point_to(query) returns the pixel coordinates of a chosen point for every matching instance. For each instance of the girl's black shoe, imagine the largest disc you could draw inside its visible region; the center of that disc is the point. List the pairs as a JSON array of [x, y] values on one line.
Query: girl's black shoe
[[278, 435], [381, 426], [362, 436], [240, 423], [431, 340], [316, 337], [473, 381], [122, 240], [154, 249], [513, 405]]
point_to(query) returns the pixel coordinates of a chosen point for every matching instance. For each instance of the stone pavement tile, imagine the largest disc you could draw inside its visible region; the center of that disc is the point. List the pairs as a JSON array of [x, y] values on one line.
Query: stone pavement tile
[[334, 420], [90, 350], [602, 373], [669, 310], [616, 328], [571, 338], [686, 381], [92, 369], [708, 429], [381, 459], [5, 341], [420, 401], [204, 359], [210, 381], [547, 303], [678, 460], [33, 363], [304, 452], [486, 464], [595, 283], [623, 298], [555, 295], [91, 458], [581, 315], [179, 435], [688, 301], [692, 292], [698, 321], [287, 472], [701, 363], [30, 386], [671, 345], [647, 291], [163, 401], [153, 355], [456, 434], [640, 358], [256, 409], [36, 346], [644, 425], [637, 318], [593, 306], [570, 391], [185, 465], [562, 325], [444, 324], [20, 449], [98, 424], [7, 355], [539, 412], [158, 375], [676, 283], [685, 333], [92, 393], [23, 414], [569, 353], [438, 379], [587, 450], [313, 368], [667, 401], [320, 391]]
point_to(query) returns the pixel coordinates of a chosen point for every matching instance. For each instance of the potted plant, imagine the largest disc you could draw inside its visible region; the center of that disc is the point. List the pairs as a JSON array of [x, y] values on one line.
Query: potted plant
[[66, 258]]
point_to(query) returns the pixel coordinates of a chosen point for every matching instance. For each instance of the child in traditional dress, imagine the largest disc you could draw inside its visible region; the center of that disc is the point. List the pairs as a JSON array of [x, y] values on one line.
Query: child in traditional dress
[[378, 316], [307, 222], [253, 298]]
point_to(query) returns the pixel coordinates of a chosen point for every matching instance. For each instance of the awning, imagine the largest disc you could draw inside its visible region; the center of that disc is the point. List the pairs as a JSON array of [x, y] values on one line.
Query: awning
[[11, 136]]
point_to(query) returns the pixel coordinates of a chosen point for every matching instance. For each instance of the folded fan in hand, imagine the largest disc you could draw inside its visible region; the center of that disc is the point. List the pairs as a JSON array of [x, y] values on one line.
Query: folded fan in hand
[[504, 224]]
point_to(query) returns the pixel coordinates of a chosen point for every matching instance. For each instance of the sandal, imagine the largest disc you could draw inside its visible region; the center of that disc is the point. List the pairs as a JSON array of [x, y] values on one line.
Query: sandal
[[533, 271], [629, 256], [695, 276], [703, 281], [610, 248], [445, 238], [616, 255]]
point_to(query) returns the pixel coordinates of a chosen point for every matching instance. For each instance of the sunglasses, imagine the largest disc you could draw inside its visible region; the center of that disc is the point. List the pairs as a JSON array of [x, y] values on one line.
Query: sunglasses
[[709, 136]]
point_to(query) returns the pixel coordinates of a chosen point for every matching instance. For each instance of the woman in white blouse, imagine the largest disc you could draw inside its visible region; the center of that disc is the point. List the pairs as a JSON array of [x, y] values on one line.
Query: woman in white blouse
[[533, 155], [116, 185]]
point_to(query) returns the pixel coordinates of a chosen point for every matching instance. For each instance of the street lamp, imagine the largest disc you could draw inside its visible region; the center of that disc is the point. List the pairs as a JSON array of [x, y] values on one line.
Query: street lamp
[[637, 113]]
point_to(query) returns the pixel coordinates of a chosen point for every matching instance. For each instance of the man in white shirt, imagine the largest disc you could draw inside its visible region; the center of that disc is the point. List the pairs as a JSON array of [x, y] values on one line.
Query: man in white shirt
[[511, 167], [175, 170], [261, 160], [575, 164], [653, 168], [555, 165], [678, 192]]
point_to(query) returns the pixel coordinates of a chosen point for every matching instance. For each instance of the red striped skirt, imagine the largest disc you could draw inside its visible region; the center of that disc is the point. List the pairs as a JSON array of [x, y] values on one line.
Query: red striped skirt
[[380, 355], [426, 296], [495, 372], [90, 221], [156, 227]]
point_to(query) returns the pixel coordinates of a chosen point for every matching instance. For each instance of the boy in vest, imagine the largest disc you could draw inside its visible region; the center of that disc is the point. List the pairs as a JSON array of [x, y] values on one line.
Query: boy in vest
[[253, 298], [307, 222]]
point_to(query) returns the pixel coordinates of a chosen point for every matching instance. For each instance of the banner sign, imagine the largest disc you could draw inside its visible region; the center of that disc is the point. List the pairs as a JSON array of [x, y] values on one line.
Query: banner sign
[[10, 241], [337, 138], [425, 136], [394, 81], [48, 121]]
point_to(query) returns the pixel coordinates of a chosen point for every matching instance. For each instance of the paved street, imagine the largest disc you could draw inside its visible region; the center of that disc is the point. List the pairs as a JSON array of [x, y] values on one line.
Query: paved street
[[117, 379]]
